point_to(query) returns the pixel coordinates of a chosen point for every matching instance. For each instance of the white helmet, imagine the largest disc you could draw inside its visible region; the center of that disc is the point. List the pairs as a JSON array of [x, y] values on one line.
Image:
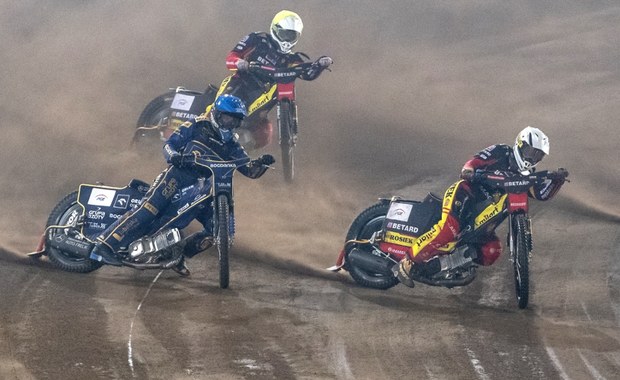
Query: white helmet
[[530, 148], [286, 28]]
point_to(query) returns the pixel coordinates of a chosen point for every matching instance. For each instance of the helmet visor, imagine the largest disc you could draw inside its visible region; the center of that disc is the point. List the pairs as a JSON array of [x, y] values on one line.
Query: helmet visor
[[531, 154], [229, 121], [287, 35]]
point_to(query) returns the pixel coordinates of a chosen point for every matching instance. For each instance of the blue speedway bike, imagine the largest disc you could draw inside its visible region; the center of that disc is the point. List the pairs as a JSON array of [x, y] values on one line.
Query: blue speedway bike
[[77, 220]]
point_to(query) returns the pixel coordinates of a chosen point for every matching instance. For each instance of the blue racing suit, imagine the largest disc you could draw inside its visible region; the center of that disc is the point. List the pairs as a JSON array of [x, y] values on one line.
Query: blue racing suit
[[136, 222]]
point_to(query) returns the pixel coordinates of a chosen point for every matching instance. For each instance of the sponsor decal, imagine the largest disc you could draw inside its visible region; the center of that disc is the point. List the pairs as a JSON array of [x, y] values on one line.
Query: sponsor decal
[[96, 214], [115, 216], [183, 208], [258, 103], [121, 201], [425, 237], [491, 211], [101, 197], [97, 225], [402, 227], [284, 75], [223, 165], [151, 208], [224, 184], [170, 189], [182, 102], [449, 195], [400, 239], [184, 115], [399, 211], [518, 183]]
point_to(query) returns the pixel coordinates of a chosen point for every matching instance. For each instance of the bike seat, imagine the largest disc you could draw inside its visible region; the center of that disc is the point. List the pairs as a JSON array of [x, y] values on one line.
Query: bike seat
[[139, 185], [432, 198]]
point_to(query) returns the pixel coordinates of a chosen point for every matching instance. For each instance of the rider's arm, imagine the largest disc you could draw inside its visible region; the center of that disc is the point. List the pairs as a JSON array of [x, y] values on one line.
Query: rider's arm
[[178, 139], [547, 189], [479, 161], [241, 51], [253, 169]]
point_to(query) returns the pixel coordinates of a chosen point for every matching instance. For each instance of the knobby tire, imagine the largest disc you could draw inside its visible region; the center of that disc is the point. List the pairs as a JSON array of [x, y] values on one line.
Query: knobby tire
[[223, 239], [287, 145], [61, 259], [521, 261], [366, 223]]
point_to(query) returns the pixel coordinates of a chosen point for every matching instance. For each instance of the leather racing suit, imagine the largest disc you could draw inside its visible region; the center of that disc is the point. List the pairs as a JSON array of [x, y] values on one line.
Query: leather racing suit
[[169, 182], [258, 47], [458, 202]]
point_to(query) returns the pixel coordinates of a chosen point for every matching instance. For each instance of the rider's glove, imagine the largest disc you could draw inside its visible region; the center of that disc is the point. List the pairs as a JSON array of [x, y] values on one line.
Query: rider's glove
[[325, 61], [266, 159], [176, 160], [559, 175], [242, 65], [467, 175]]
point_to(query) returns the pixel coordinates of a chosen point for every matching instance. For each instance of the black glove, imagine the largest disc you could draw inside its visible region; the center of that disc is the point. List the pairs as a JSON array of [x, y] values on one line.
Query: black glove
[[176, 160], [182, 160], [266, 159], [559, 175]]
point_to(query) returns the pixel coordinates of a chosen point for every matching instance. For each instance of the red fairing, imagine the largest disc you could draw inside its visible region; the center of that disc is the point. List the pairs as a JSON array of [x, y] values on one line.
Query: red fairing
[[517, 202], [398, 252], [286, 91]]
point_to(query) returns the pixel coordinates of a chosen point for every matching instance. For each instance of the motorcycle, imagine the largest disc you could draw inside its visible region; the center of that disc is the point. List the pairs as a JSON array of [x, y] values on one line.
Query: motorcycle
[[382, 235], [81, 216], [164, 114]]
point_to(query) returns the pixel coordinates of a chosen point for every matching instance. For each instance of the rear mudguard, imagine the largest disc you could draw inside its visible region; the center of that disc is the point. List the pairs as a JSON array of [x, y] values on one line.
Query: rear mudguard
[[339, 262]]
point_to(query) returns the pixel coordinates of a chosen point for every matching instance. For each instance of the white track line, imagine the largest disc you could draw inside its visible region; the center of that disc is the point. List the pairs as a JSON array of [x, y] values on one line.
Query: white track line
[[556, 363], [129, 347], [595, 374], [475, 362]]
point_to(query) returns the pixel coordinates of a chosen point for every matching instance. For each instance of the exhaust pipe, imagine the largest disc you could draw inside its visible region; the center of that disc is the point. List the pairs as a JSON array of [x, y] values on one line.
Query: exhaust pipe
[[65, 243], [369, 262]]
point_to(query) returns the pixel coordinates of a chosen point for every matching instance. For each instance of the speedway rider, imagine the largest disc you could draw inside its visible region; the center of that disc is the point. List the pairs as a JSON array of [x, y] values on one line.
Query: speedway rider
[[269, 49], [216, 131], [529, 149]]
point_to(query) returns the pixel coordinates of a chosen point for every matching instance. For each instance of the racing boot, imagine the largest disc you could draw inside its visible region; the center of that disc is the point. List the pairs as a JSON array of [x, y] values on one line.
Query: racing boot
[[181, 268], [402, 271], [104, 254], [196, 243]]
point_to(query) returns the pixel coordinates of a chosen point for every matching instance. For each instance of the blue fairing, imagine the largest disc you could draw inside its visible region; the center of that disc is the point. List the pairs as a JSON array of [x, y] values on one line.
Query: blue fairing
[[103, 205]]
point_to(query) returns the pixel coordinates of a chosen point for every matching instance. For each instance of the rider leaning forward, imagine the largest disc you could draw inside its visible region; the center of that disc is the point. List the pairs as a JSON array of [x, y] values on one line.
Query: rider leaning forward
[[529, 149], [269, 49], [216, 131]]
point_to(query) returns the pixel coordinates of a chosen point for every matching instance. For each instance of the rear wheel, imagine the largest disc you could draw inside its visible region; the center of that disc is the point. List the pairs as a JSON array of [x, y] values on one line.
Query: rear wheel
[[222, 239], [66, 212], [367, 223], [153, 119], [287, 129], [521, 260]]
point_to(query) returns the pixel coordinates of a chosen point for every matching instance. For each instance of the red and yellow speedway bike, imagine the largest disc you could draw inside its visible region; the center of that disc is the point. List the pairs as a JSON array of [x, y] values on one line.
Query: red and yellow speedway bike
[[165, 113], [382, 235]]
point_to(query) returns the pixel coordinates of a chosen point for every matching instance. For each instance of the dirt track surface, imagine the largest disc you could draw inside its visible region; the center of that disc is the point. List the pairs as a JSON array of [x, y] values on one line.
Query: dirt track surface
[[415, 90]]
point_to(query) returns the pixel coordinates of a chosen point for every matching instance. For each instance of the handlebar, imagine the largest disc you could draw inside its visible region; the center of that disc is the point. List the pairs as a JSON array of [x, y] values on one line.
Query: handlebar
[[517, 183], [282, 74]]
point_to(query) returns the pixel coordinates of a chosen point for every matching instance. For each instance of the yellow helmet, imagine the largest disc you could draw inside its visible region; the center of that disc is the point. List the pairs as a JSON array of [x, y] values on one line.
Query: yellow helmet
[[286, 28]]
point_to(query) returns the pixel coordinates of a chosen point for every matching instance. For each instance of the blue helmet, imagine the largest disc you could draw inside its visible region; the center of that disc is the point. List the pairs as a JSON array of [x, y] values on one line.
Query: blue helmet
[[227, 114]]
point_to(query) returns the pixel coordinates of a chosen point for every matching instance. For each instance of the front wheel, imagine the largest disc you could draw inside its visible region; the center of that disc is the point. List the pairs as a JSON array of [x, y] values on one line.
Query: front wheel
[[66, 213], [521, 260], [363, 227], [222, 239], [287, 128]]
